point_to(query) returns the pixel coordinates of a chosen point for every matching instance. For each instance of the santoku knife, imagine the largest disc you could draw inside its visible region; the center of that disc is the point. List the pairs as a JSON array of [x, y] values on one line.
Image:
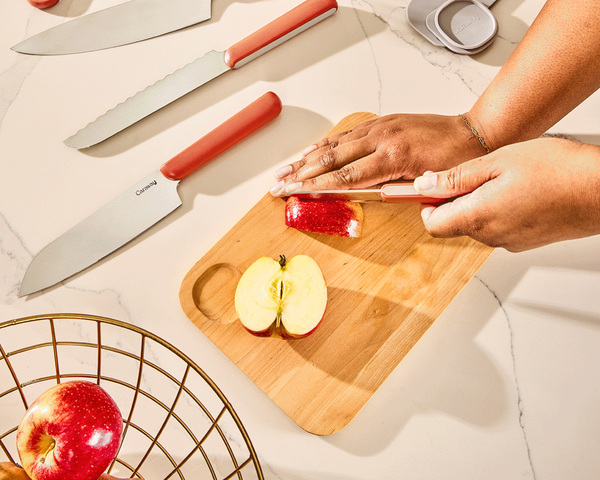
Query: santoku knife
[[143, 204], [128, 22], [399, 192], [202, 71]]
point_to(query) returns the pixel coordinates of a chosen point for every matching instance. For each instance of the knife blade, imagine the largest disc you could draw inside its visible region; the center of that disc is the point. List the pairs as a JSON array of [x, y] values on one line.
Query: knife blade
[[128, 22], [143, 204], [397, 192], [202, 71]]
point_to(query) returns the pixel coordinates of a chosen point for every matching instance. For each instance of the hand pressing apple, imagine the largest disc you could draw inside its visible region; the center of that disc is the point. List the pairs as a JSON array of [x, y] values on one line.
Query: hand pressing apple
[[281, 297], [329, 217], [10, 471], [72, 431]]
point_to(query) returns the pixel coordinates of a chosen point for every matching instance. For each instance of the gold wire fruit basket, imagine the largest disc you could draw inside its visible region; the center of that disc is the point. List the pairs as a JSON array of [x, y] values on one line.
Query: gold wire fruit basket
[[176, 422]]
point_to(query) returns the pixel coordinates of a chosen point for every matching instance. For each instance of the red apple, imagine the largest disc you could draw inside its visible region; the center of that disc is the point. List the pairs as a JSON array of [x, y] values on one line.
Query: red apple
[[329, 217], [106, 476], [43, 3], [72, 431], [281, 297], [10, 471]]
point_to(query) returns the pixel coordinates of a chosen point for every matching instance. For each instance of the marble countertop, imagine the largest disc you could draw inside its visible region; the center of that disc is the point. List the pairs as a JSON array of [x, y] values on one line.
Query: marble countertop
[[505, 384]]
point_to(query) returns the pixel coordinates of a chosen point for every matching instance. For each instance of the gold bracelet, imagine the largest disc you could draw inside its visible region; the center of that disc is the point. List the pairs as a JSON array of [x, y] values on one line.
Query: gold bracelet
[[479, 137]]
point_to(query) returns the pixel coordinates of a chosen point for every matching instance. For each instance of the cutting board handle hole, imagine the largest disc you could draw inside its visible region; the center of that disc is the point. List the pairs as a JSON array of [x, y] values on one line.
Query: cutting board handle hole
[[214, 292]]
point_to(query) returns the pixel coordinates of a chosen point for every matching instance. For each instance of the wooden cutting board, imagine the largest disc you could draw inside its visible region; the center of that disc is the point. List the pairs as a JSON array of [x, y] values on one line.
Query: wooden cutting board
[[385, 289]]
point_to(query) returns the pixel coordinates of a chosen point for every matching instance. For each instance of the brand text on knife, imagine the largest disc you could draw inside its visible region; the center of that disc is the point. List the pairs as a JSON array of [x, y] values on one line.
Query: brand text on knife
[[143, 189]]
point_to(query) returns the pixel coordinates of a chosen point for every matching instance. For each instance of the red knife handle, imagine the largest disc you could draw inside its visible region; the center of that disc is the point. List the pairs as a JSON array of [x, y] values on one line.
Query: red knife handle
[[279, 30], [404, 192], [247, 121]]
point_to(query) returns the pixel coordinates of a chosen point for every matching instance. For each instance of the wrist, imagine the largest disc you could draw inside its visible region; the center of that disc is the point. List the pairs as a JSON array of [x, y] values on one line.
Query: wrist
[[475, 133]]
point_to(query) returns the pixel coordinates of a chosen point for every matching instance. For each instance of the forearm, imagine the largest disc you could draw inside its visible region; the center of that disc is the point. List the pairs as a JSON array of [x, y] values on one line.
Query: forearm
[[553, 69]]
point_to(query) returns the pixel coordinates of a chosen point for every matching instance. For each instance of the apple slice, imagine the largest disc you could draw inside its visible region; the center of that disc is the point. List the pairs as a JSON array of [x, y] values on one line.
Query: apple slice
[[281, 297], [329, 217]]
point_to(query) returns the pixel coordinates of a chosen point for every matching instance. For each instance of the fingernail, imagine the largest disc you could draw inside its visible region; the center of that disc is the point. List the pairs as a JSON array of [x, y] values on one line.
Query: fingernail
[[307, 150], [292, 187], [275, 189], [426, 182], [283, 172]]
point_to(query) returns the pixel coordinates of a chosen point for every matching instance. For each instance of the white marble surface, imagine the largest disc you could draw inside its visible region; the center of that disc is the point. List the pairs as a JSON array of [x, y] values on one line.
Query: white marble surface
[[506, 382]]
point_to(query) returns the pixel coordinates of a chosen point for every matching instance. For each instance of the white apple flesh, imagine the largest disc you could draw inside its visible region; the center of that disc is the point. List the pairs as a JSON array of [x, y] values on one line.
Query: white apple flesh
[[72, 431], [281, 297]]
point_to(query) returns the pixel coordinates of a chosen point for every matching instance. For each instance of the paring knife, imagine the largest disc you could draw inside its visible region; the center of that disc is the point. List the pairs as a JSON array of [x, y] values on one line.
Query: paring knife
[[399, 192], [201, 71], [128, 22], [143, 204]]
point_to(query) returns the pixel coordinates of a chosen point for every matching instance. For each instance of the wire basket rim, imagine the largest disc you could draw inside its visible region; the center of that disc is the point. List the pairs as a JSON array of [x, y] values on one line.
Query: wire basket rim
[[149, 335]]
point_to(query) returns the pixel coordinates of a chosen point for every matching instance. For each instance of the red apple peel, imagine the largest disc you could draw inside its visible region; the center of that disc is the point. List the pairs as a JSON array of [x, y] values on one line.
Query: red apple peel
[[341, 218]]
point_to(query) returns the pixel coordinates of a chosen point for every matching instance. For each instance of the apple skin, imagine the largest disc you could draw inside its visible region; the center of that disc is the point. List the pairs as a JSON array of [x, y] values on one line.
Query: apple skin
[[281, 298], [72, 431], [106, 476], [43, 3], [341, 218], [10, 471]]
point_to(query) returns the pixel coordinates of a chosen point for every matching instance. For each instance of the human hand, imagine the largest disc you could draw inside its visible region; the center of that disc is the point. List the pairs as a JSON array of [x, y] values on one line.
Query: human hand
[[519, 197], [388, 148]]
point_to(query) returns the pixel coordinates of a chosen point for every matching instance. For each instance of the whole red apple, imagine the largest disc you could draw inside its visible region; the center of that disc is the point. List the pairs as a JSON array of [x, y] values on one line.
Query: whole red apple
[[281, 297], [106, 476], [72, 431], [43, 3]]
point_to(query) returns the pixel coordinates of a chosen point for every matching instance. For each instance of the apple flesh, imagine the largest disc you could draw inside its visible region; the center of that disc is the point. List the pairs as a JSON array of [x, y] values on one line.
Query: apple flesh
[[73, 430], [281, 297], [10, 471], [329, 217]]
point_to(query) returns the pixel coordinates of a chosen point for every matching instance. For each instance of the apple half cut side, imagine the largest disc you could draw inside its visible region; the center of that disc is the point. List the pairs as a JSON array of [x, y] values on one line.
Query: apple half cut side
[[281, 297], [341, 218]]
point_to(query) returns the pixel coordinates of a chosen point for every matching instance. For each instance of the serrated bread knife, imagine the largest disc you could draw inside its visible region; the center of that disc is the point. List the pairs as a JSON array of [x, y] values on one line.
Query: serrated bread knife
[[398, 192], [202, 71], [128, 22], [143, 204]]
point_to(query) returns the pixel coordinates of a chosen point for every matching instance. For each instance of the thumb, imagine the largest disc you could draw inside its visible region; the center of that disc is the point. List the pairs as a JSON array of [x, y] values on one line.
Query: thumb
[[456, 181]]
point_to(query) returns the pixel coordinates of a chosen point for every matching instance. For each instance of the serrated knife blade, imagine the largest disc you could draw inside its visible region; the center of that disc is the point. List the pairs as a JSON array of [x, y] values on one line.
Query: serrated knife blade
[[143, 204], [202, 71], [122, 24]]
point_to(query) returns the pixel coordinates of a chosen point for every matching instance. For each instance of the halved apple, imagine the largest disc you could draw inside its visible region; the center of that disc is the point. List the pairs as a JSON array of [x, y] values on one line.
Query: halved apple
[[329, 217], [281, 297]]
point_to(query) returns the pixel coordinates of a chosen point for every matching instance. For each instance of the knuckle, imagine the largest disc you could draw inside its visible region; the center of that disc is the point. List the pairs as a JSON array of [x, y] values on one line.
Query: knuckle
[[453, 178], [347, 175], [328, 160]]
